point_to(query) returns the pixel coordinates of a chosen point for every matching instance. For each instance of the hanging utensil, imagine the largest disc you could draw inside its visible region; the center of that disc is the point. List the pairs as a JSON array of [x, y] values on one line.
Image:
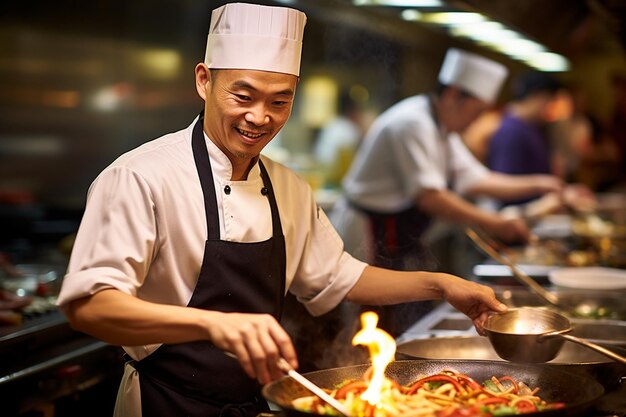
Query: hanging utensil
[[584, 309], [482, 242]]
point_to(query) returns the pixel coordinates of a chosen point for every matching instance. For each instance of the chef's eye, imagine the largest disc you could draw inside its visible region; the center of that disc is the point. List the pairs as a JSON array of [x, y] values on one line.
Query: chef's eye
[[242, 97], [280, 103]]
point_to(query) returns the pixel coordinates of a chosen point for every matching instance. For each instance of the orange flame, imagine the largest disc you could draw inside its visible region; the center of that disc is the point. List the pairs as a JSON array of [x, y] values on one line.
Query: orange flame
[[382, 349]]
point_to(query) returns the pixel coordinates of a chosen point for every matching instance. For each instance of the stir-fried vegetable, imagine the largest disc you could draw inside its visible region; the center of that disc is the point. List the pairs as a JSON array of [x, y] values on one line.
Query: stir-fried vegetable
[[446, 394]]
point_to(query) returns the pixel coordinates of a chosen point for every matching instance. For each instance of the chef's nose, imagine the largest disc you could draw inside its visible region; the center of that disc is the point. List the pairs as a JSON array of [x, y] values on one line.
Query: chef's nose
[[257, 115]]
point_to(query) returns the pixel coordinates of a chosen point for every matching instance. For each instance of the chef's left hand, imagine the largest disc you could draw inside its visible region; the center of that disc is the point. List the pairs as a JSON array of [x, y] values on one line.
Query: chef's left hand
[[474, 300]]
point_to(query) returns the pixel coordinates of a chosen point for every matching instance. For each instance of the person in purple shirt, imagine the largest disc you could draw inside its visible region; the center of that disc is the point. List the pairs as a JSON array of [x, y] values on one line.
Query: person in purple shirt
[[520, 146]]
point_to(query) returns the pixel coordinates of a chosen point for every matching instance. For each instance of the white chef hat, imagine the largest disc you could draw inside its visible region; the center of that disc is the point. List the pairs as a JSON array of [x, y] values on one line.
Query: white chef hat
[[250, 36], [473, 73]]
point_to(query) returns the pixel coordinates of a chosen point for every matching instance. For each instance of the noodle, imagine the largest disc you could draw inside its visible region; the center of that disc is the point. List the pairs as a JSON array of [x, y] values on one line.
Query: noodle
[[446, 394]]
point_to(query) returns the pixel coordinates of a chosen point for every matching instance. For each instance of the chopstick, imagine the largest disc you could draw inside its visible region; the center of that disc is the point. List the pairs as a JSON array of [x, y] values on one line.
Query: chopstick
[[284, 366]]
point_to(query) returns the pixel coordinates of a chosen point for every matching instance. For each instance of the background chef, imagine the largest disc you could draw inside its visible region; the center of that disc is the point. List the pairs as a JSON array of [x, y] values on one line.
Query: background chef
[[412, 166], [189, 242]]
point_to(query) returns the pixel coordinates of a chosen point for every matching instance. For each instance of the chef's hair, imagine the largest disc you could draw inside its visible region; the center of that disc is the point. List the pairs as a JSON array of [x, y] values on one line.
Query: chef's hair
[[532, 82], [441, 87]]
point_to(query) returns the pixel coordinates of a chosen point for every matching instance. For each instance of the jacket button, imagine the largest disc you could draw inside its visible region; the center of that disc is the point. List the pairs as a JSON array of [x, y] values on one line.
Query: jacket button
[[227, 189], [264, 191]]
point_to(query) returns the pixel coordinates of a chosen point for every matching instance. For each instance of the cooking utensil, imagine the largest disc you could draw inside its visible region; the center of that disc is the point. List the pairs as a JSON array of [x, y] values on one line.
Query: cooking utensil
[[284, 366], [483, 243], [534, 335], [576, 391], [572, 357], [585, 309]]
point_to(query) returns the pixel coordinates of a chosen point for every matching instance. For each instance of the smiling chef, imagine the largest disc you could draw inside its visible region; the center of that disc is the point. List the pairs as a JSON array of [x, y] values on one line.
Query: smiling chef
[[189, 242]]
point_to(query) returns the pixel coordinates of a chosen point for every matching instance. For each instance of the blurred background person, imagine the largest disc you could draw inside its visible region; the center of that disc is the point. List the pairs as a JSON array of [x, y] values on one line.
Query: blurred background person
[[478, 134], [412, 167], [572, 134], [521, 145], [338, 139]]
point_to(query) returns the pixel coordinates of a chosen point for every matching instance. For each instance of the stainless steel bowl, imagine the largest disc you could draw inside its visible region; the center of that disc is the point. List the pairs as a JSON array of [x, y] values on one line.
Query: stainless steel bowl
[[533, 335]]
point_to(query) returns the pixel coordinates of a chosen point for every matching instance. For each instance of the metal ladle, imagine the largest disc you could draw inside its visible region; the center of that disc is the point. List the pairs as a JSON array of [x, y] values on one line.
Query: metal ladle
[[534, 335]]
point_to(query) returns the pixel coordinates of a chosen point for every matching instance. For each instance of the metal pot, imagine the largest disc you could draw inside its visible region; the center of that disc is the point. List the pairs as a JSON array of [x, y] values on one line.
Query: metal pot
[[576, 391], [571, 358], [531, 335]]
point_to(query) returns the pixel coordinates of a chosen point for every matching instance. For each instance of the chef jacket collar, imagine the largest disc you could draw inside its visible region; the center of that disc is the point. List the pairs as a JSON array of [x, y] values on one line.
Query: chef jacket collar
[[432, 104], [221, 165]]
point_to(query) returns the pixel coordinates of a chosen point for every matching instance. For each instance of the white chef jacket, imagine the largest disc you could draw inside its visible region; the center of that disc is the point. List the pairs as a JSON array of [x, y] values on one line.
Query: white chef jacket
[[403, 153], [144, 229]]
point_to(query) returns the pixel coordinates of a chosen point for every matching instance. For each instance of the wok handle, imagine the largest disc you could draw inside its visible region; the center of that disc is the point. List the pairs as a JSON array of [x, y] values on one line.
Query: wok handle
[[595, 347]]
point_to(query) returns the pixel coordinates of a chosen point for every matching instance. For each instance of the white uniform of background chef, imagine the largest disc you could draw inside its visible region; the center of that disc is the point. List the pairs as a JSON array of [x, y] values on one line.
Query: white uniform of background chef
[[412, 166], [142, 259]]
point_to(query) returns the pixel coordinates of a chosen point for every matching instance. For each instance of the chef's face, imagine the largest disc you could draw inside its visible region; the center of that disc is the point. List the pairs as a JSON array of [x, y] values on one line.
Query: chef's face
[[244, 109], [461, 109]]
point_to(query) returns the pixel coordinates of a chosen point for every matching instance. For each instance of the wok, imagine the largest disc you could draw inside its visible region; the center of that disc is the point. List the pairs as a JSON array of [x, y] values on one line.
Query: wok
[[572, 357], [577, 391]]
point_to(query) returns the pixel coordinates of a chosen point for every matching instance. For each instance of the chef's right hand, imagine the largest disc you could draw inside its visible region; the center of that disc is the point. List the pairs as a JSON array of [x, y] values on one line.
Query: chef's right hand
[[257, 340]]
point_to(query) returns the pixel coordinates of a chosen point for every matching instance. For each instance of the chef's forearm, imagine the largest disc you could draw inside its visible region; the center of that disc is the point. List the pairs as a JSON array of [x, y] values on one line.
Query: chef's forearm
[[378, 286], [448, 206], [121, 319], [515, 187]]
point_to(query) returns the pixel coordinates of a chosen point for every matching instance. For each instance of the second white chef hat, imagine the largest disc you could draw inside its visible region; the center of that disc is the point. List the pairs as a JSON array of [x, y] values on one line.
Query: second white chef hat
[[250, 36], [473, 73]]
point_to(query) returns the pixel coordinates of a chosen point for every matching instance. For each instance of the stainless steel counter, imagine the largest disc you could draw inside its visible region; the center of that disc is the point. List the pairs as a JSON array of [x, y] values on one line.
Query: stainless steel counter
[[53, 367]]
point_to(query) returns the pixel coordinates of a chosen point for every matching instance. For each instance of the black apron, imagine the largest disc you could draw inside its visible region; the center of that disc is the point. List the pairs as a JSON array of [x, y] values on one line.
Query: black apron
[[197, 379]]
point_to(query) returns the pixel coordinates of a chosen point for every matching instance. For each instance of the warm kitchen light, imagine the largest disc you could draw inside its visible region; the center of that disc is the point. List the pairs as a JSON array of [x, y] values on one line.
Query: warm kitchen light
[[319, 98], [399, 3], [159, 63], [548, 61], [411, 15], [382, 349], [453, 18], [478, 28], [486, 31], [518, 48]]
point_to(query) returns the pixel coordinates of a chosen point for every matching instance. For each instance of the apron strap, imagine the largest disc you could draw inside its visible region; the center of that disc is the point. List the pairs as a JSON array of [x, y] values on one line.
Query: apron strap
[[201, 157], [277, 229]]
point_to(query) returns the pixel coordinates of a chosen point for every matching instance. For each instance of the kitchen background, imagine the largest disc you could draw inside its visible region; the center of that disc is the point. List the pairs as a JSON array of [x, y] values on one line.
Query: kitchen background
[[82, 82]]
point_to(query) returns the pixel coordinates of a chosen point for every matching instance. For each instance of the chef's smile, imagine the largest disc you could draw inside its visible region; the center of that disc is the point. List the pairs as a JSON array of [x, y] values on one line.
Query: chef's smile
[[250, 136]]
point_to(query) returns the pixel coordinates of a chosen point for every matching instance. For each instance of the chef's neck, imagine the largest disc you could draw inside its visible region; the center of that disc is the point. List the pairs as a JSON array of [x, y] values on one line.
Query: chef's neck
[[241, 167]]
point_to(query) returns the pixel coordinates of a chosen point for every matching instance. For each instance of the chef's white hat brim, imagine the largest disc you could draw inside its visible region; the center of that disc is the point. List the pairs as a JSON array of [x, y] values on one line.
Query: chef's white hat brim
[[473, 73], [250, 36]]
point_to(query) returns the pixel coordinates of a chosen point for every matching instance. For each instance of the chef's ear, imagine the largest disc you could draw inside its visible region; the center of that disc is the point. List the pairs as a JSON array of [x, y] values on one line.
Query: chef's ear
[[203, 78]]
